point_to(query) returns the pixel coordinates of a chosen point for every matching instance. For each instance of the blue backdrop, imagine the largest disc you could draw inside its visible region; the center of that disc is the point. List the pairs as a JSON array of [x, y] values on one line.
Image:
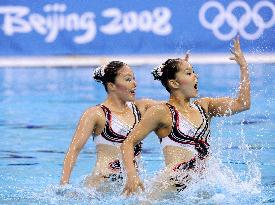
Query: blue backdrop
[[133, 27]]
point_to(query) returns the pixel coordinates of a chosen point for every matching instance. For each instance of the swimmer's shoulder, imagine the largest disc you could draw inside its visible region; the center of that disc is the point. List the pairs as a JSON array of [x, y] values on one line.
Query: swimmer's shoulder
[[159, 110], [94, 113], [160, 114], [203, 102], [93, 119]]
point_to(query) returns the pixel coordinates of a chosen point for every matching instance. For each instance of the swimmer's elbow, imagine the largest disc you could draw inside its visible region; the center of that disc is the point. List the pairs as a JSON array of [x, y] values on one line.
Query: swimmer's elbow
[[125, 145], [243, 105], [246, 105], [73, 151]]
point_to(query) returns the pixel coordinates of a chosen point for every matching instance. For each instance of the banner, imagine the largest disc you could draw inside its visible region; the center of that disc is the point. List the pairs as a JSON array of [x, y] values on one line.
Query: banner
[[134, 27]]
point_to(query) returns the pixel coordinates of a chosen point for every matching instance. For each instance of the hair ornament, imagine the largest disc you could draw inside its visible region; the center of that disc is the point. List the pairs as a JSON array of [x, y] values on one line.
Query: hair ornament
[[158, 71], [99, 72]]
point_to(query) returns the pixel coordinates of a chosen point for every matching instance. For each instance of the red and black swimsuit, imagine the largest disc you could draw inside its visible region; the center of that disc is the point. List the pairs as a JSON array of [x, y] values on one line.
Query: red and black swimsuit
[[114, 133], [185, 135]]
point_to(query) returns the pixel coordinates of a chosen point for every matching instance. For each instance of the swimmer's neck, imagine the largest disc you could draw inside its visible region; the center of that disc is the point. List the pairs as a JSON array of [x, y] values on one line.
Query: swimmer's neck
[[179, 101], [116, 103]]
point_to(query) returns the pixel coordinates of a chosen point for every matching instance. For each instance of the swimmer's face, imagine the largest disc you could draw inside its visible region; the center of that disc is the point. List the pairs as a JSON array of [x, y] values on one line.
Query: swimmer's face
[[125, 84], [187, 80]]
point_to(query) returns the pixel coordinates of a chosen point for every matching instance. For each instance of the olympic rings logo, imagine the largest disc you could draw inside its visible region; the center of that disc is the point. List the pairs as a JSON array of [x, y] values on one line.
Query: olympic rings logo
[[237, 25]]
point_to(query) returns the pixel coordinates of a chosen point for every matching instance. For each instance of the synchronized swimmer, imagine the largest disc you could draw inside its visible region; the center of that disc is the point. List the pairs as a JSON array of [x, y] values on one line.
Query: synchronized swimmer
[[109, 123], [182, 127]]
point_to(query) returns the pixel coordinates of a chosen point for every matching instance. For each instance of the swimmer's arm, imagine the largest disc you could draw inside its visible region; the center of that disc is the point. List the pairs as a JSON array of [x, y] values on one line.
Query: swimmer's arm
[[227, 105], [84, 129], [151, 120]]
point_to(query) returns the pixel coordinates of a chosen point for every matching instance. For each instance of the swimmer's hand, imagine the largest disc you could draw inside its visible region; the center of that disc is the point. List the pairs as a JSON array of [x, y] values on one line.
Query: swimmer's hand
[[237, 53], [63, 182], [132, 185]]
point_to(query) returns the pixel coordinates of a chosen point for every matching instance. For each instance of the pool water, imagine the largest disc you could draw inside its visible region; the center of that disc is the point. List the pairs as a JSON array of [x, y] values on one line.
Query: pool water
[[40, 109]]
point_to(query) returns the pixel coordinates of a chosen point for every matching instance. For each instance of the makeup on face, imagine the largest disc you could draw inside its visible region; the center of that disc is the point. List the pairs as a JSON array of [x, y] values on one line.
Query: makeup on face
[[187, 79], [185, 74], [125, 82]]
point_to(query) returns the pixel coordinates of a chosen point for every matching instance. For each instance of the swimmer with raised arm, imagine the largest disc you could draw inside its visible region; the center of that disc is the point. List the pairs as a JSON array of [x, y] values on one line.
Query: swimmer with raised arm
[[110, 123], [183, 127]]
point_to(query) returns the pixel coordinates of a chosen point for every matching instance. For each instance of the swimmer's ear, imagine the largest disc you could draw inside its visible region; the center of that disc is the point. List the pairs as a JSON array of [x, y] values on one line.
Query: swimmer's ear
[[173, 83], [110, 86]]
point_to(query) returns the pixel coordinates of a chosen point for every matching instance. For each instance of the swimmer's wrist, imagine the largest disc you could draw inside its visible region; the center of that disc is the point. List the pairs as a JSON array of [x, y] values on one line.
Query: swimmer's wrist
[[64, 182], [244, 66], [131, 175]]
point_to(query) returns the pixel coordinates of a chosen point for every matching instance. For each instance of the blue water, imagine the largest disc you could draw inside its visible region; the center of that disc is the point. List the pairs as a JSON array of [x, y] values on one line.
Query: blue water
[[40, 108]]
